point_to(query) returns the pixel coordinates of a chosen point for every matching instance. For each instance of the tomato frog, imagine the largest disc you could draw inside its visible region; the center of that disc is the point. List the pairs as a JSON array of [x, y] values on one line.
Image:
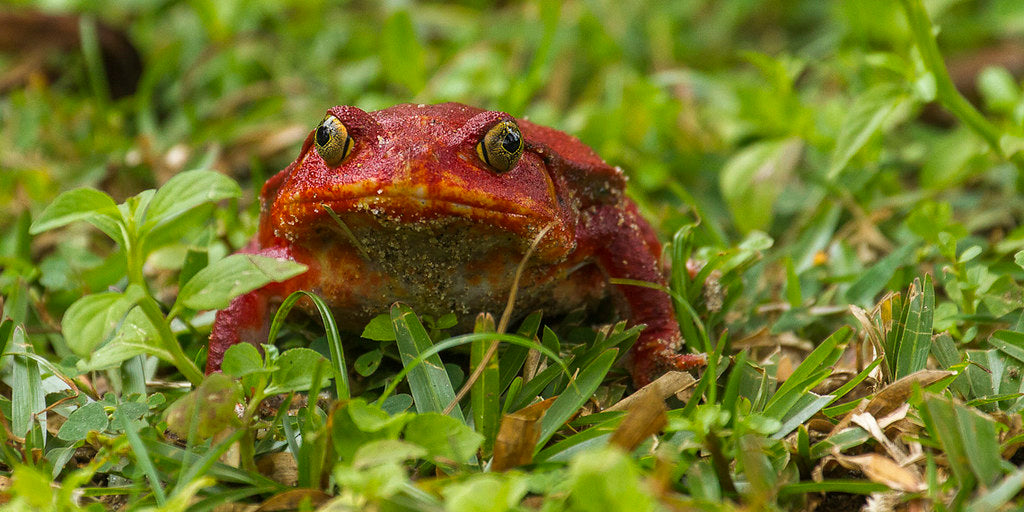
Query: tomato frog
[[435, 206]]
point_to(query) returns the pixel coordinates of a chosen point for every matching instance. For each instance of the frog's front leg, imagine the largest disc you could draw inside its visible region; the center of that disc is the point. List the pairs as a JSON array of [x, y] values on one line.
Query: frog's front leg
[[247, 318], [625, 246]]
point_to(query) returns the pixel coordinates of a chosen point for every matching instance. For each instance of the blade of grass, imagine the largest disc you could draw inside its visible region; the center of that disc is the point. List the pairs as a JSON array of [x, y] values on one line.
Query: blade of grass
[[484, 395], [808, 405], [847, 486], [844, 440], [218, 470], [463, 340], [1000, 494], [594, 435], [514, 357], [142, 456], [856, 380], [206, 460], [575, 395], [341, 384], [431, 388], [27, 397], [915, 342], [808, 373]]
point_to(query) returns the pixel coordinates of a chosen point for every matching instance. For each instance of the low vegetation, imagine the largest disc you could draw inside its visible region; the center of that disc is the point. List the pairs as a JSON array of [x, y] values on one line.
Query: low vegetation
[[848, 176]]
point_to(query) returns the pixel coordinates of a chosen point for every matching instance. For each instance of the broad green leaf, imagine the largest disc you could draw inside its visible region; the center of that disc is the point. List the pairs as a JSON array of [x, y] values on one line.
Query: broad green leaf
[[443, 436], [487, 492], [1000, 494], [187, 190], [358, 423], [968, 439], [379, 328], [1010, 343], [607, 480], [215, 286], [431, 389], [368, 362], [92, 319], [89, 417], [753, 179], [71, 206], [865, 118], [196, 259], [212, 405], [387, 451], [295, 370], [241, 360], [135, 336]]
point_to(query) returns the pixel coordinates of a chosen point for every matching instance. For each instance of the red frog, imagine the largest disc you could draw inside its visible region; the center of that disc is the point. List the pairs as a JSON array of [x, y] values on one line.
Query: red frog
[[435, 206]]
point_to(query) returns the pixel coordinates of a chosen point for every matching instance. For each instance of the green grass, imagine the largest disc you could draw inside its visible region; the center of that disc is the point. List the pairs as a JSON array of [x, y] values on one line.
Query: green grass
[[852, 187]]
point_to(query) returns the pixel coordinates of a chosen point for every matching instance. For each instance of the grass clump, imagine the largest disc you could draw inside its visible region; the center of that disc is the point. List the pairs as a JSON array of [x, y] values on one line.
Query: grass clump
[[847, 175]]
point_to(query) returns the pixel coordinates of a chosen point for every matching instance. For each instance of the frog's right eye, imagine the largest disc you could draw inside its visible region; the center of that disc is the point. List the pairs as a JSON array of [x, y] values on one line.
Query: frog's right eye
[[332, 141]]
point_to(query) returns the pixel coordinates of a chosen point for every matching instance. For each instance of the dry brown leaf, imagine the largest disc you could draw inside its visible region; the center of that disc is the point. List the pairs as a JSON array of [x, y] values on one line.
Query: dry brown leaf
[[290, 500], [646, 417], [279, 467], [882, 469], [872, 426], [669, 384], [892, 397], [896, 394], [518, 435]]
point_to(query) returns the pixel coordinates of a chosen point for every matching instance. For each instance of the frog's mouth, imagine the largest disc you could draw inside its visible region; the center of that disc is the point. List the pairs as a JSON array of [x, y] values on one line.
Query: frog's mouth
[[371, 216]]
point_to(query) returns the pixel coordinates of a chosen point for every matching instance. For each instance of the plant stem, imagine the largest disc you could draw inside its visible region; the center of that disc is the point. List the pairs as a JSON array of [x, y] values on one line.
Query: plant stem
[[169, 342], [946, 92], [247, 445]]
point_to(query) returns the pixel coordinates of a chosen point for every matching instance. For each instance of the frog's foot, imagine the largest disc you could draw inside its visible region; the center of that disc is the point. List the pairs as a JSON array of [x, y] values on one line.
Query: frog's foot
[[245, 320], [649, 365]]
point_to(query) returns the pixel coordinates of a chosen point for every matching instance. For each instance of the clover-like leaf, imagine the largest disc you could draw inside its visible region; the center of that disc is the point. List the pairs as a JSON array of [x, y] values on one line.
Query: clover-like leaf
[[71, 206], [295, 370], [241, 360], [186, 191], [214, 286], [87, 418], [93, 318]]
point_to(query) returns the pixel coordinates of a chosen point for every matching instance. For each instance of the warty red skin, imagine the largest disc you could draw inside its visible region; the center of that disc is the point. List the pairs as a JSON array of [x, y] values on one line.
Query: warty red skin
[[425, 221]]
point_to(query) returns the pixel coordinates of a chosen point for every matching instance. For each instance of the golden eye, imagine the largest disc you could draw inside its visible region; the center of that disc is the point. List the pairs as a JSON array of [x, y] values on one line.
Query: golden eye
[[502, 146], [332, 141]]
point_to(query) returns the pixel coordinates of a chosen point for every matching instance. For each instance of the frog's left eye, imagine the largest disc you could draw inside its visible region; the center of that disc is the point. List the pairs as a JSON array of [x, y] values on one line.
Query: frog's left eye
[[332, 141], [501, 146]]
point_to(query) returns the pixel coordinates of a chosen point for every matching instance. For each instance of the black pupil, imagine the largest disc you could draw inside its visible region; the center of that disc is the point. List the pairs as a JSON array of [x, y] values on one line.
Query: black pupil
[[323, 135], [510, 141]]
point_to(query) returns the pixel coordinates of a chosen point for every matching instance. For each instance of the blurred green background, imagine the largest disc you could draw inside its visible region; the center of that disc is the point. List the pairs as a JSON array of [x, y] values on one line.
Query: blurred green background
[[667, 90], [800, 118]]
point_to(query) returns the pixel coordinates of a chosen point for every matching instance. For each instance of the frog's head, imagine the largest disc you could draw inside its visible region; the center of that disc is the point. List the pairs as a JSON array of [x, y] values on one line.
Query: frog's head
[[425, 168]]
